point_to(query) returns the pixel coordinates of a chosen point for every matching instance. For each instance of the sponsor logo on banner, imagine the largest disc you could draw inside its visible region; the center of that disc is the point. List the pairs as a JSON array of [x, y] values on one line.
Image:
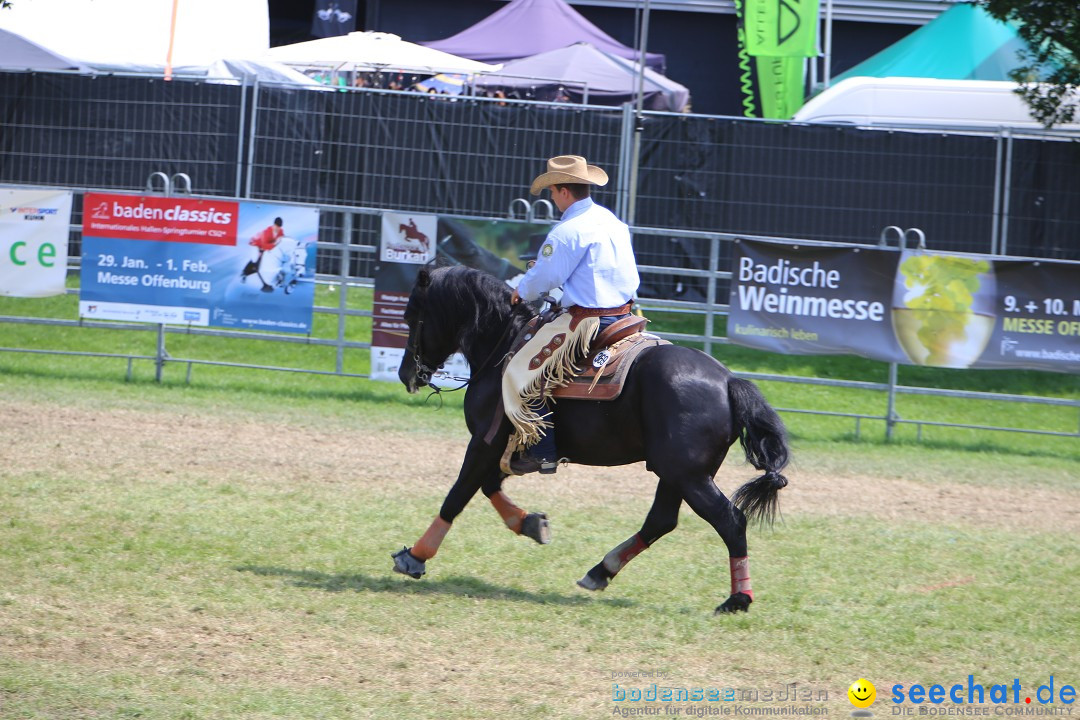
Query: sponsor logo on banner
[[781, 28], [133, 217], [34, 226], [35, 213], [408, 238]]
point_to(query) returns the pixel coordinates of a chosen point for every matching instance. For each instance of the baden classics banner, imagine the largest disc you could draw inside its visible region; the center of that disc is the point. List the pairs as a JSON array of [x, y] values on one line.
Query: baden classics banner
[[34, 242], [199, 262], [912, 307]]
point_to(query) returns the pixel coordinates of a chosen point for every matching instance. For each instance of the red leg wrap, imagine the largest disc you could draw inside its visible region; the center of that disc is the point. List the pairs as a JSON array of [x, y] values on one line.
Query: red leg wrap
[[428, 544], [616, 560], [511, 514], [740, 576]]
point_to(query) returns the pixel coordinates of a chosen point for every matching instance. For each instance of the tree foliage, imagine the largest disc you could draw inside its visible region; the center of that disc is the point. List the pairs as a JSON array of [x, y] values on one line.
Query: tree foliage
[[1050, 72]]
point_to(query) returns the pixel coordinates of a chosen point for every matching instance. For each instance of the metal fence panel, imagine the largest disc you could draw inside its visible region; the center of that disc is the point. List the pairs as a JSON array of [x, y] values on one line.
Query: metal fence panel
[[112, 132], [824, 183], [472, 156], [702, 179], [347, 249], [1043, 207], [406, 151]]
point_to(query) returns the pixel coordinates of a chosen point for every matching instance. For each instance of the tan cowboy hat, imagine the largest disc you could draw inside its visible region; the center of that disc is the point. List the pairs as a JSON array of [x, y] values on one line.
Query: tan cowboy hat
[[568, 169]]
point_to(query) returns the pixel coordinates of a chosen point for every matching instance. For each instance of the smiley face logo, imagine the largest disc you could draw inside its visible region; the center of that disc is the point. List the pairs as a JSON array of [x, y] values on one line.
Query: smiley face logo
[[862, 693]]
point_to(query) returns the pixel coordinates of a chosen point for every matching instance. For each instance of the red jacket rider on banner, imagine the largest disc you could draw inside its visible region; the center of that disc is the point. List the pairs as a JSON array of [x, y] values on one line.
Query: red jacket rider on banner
[[265, 240]]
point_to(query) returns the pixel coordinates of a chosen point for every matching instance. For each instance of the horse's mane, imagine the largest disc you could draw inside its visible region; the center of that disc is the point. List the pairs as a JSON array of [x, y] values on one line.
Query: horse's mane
[[473, 302]]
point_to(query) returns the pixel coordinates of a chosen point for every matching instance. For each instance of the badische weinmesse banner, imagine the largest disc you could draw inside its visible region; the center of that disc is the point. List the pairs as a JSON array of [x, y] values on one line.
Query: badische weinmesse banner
[[906, 306]]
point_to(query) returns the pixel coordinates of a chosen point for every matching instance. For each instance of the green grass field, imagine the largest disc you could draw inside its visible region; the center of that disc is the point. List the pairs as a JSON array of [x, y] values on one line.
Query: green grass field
[[220, 549]]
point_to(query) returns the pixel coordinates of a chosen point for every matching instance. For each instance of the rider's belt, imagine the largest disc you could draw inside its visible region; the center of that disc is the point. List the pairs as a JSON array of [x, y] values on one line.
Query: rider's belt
[[577, 312]]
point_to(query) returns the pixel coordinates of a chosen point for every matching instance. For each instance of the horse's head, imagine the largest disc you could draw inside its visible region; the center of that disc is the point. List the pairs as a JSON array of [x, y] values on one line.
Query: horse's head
[[430, 342]]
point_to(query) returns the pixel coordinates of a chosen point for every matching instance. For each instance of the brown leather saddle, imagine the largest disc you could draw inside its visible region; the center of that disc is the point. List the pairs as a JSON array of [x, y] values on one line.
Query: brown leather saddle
[[603, 371], [613, 351], [611, 354]]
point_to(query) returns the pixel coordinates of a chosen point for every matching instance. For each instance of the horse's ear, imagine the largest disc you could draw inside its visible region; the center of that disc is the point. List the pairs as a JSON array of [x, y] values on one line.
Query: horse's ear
[[423, 278]]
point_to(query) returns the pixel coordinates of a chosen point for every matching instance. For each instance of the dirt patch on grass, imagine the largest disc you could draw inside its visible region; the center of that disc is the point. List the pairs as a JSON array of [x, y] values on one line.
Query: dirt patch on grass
[[130, 445]]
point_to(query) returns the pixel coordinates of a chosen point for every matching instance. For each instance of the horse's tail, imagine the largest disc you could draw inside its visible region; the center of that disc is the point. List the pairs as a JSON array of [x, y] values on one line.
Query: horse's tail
[[764, 440]]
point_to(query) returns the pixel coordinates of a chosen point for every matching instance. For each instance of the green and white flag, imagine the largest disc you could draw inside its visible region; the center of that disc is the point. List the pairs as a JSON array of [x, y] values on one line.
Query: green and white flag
[[782, 28], [780, 86]]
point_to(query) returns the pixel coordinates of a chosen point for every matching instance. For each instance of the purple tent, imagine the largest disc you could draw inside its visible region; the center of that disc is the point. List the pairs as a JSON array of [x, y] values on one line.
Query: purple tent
[[583, 73], [528, 27]]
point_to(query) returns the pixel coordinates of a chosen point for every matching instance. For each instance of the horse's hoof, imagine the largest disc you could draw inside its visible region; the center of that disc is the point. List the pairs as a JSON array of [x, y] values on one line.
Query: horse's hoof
[[596, 579], [537, 527], [407, 564], [738, 602], [591, 583]]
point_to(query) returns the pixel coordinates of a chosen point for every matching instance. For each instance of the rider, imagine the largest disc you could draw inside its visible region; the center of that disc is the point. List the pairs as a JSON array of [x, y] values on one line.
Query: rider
[[589, 254], [265, 240]]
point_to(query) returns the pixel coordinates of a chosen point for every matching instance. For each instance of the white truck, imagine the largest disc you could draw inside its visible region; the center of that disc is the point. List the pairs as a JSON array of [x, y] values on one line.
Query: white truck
[[924, 103]]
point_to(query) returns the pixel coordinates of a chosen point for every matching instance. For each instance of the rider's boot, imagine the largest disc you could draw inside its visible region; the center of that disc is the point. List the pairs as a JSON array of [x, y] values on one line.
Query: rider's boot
[[543, 457]]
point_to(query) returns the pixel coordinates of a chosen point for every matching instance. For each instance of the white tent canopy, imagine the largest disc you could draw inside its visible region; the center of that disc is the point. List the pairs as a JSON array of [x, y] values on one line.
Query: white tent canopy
[[18, 53], [375, 51], [110, 36], [263, 70], [125, 33]]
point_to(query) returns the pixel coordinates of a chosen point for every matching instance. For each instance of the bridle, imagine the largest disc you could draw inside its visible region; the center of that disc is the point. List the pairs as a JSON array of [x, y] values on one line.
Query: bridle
[[424, 372]]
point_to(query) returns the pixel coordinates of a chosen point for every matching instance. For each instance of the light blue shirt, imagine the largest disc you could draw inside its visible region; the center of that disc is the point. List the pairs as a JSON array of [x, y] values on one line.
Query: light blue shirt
[[590, 255]]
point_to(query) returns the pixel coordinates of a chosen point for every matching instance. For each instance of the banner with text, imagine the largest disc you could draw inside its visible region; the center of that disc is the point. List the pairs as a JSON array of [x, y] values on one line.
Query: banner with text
[[913, 307], [34, 228], [410, 240], [198, 262], [780, 86]]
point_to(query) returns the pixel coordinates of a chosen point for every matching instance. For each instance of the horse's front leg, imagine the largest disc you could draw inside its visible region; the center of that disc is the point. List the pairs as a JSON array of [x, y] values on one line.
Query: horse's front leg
[[480, 465], [531, 525]]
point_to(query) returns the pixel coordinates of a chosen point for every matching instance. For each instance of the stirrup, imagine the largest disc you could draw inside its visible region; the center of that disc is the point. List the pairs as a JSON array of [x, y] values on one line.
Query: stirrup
[[522, 463]]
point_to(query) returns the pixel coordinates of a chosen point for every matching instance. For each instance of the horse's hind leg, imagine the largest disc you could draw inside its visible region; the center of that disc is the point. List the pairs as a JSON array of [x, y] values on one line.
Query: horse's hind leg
[[706, 500], [662, 518]]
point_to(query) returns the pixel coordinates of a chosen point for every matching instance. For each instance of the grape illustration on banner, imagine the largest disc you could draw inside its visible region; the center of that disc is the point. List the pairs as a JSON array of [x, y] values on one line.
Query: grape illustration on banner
[[943, 308]]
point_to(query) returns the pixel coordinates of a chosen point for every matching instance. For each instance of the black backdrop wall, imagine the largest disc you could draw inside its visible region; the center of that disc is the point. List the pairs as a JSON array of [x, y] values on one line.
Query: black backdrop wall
[[411, 152]]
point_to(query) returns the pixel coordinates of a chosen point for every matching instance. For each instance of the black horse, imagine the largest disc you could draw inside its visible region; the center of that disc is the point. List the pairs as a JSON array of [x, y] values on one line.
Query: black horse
[[680, 411]]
